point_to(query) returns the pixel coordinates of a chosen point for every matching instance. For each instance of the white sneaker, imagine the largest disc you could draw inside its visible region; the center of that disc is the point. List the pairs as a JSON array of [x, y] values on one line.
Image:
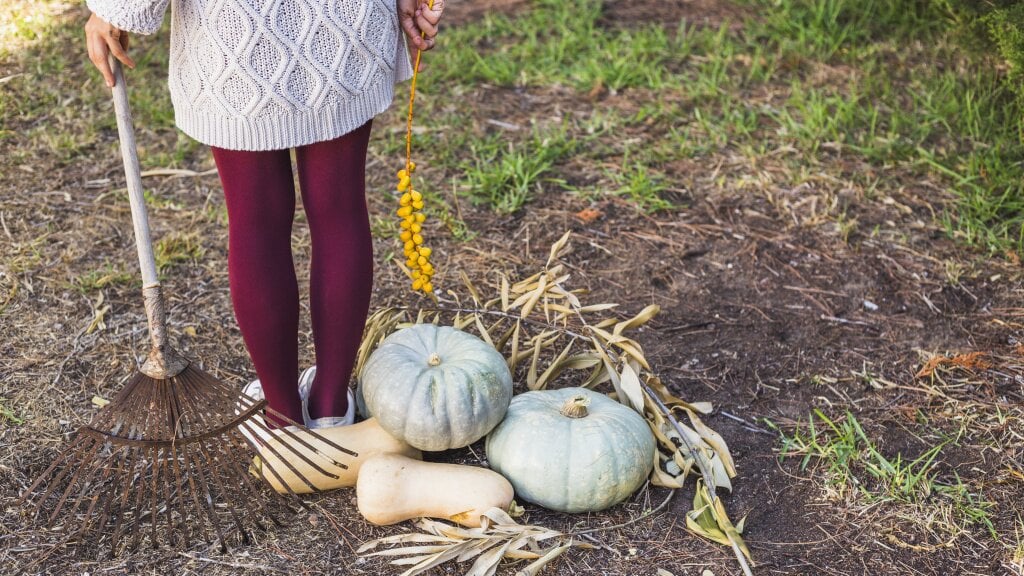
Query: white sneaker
[[305, 383], [254, 390]]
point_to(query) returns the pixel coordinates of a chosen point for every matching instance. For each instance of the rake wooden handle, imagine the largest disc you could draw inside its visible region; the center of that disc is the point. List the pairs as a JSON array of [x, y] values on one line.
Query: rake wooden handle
[[163, 362], [133, 176]]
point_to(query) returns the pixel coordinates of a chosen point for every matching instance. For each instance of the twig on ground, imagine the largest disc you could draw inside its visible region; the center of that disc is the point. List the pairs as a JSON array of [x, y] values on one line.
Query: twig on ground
[[233, 564]]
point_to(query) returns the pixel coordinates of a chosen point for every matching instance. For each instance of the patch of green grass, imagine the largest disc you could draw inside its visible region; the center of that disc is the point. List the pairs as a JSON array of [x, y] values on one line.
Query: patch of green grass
[[852, 462], [108, 275], [384, 228], [9, 415], [558, 41], [177, 248], [642, 185], [825, 29], [506, 174]]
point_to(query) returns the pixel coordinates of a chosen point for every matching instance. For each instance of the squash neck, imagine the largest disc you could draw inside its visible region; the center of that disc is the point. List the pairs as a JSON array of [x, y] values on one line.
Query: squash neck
[[575, 407]]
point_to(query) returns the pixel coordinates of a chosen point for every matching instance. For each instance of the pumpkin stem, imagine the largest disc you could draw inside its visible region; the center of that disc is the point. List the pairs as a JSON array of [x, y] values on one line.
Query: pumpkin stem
[[434, 359], [575, 407]]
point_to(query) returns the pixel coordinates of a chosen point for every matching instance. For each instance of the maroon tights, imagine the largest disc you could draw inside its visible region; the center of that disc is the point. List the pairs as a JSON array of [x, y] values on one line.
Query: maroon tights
[[260, 196]]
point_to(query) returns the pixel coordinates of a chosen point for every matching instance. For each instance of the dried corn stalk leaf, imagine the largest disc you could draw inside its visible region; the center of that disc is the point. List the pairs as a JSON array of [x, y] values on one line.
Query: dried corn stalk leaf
[[499, 536], [708, 519], [534, 567], [629, 380], [514, 355], [504, 293], [641, 318], [557, 247], [552, 370], [469, 286]]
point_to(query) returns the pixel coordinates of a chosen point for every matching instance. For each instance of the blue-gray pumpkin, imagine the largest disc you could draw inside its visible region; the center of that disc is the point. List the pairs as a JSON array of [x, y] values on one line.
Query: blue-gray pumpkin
[[572, 449], [436, 387]]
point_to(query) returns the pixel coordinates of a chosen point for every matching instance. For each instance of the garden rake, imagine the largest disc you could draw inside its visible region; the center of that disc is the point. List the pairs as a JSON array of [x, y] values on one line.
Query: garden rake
[[170, 454]]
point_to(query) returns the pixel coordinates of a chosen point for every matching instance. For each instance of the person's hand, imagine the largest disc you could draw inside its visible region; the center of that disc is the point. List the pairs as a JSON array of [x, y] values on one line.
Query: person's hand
[[419, 23], [103, 38]]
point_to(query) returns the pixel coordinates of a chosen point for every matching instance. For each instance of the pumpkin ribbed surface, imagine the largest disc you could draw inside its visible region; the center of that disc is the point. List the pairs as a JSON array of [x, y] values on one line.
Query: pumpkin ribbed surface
[[436, 387], [577, 463]]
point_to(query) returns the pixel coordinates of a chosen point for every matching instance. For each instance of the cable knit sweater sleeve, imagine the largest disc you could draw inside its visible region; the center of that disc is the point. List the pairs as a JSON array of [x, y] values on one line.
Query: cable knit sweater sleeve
[[139, 16]]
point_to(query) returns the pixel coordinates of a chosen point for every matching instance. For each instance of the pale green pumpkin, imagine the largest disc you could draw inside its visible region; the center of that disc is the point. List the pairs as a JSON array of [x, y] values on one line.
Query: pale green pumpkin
[[436, 387], [571, 450]]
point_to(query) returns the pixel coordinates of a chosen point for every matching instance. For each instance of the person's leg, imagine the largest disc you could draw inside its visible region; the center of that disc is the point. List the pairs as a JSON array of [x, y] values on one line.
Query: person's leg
[[260, 196], [332, 178]]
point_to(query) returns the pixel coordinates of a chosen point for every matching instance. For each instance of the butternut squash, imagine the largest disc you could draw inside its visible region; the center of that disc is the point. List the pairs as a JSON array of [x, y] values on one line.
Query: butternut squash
[[366, 438], [392, 488]]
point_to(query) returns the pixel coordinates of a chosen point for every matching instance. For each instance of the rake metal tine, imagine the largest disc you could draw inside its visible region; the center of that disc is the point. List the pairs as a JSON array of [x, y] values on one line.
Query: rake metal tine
[[200, 511], [250, 487], [316, 435], [215, 463], [186, 463], [291, 434], [62, 457], [96, 466], [111, 497], [269, 446], [90, 456], [209, 507], [129, 454], [140, 493], [157, 462], [178, 502]]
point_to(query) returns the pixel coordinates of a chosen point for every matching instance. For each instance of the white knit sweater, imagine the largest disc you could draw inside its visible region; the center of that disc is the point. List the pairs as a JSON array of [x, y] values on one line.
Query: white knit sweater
[[273, 74]]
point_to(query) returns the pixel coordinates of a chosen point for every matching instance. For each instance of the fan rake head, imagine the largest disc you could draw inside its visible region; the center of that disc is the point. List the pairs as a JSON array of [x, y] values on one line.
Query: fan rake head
[[168, 461]]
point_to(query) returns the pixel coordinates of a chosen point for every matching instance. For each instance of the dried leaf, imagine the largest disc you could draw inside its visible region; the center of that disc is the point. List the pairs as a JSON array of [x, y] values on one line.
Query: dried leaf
[[514, 355], [596, 308], [641, 318], [531, 376], [597, 377], [553, 370], [557, 247], [504, 293], [469, 285], [630, 384], [534, 567], [534, 298], [483, 331], [715, 441], [609, 368]]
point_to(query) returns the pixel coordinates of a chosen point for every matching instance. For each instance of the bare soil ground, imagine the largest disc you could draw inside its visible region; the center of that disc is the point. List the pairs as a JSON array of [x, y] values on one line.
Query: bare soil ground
[[771, 307]]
